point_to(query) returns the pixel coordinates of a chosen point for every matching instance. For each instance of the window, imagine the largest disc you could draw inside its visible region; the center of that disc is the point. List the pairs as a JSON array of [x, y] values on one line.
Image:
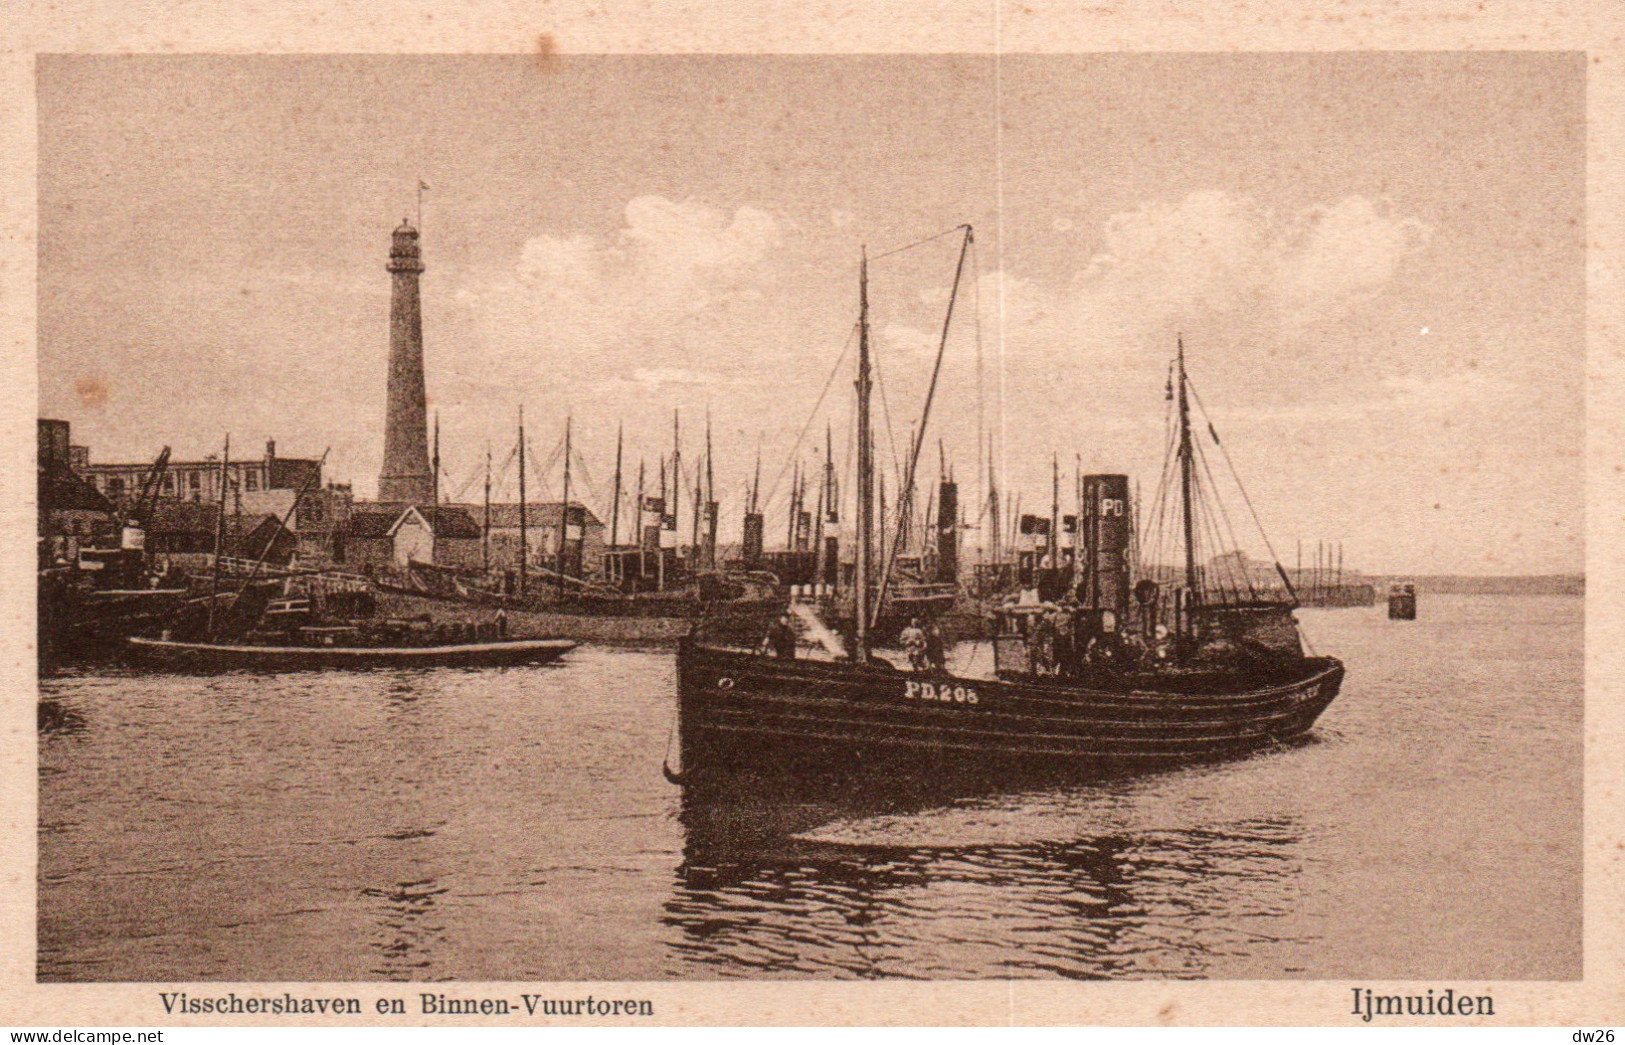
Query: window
[[251, 480], [115, 486]]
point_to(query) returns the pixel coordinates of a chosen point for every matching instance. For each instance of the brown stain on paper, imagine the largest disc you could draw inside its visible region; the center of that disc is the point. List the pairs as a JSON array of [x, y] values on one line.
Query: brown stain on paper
[[92, 392], [547, 52]]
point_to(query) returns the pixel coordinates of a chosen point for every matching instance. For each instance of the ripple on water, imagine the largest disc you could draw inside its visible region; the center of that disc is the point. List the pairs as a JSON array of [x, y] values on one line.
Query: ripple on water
[[514, 825]]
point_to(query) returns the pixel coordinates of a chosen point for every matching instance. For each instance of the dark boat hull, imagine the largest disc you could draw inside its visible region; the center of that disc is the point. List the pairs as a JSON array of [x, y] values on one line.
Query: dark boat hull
[[644, 627], [201, 656], [740, 711]]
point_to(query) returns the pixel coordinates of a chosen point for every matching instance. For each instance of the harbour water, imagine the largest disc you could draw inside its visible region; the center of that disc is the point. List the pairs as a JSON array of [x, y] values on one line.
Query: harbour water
[[515, 825]]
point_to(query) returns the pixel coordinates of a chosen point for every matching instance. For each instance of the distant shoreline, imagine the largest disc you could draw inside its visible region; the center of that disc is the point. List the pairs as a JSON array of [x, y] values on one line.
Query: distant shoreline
[[1510, 584]]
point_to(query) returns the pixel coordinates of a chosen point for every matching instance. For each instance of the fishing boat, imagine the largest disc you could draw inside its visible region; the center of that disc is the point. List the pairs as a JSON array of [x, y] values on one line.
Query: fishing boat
[[643, 594], [278, 620], [319, 655], [1167, 670]]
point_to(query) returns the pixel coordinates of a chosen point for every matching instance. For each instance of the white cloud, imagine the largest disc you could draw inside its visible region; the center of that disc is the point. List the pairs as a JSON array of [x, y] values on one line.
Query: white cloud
[[1243, 281], [693, 246], [669, 255], [1345, 254], [900, 338], [642, 296], [1215, 253]]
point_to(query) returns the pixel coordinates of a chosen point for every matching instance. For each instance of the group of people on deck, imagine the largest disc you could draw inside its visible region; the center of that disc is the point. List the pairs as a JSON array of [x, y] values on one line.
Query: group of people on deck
[[923, 644], [1064, 639]]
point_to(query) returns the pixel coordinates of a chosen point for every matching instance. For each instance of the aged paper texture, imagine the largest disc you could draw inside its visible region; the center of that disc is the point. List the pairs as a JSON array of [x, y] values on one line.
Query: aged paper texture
[[459, 438]]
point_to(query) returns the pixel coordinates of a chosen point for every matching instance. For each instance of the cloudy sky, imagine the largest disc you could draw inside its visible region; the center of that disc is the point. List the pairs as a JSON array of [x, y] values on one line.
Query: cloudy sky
[[1376, 262]]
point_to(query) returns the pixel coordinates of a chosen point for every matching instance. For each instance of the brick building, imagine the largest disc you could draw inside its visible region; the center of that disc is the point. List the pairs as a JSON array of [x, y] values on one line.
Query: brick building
[[586, 549], [262, 482], [382, 536]]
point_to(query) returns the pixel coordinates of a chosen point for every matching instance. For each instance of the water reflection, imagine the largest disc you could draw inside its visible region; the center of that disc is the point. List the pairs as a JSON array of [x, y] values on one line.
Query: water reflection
[[407, 928], [765, 887], [57, 719]]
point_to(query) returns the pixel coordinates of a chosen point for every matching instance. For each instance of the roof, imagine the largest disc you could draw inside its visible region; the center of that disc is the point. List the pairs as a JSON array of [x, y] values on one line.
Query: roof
[[60, 489], [381, 518], [451, 522], [537, 513], [182, 517], [373, 519], [194, 517]]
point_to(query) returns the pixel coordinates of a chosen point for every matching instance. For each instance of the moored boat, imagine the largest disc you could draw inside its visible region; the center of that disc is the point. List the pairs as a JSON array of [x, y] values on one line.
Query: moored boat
[[217, 656]]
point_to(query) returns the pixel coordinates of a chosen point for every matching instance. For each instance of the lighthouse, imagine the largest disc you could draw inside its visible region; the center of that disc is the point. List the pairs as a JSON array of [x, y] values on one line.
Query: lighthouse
[[406, 475]]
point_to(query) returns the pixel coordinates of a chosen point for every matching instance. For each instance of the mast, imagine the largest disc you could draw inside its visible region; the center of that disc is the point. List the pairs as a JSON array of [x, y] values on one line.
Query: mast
[[711, 514], [880, 540], [926, 527], [694, 545], [790, 521], [523, 540], [615, 504], [219, 531], [906, 491], [756, 480], [660, 531], [818, 537], [1077, 521], [485, 526], [995, 524], [831, 512], [1054, 510], [905, 513], [642, 529], [676, 480], [237, 516], [1187, 478], [281, 528], [564, 511], [866, 493], [434, 509]]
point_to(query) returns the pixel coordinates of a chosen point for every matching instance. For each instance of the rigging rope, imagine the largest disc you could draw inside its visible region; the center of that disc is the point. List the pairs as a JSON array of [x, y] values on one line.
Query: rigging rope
[[811, 417], [917, 243], [1236, 476]]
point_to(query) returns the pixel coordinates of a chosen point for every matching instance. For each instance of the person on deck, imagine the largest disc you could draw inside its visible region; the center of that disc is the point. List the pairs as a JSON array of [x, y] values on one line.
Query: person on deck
[[1065, 653], [1043, 645], [781, 638], [913, 640], [502, 624], [936, 655]]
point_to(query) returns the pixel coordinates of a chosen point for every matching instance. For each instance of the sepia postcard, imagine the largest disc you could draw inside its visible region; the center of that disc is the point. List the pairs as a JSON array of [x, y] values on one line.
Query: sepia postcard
[[779, 514]]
